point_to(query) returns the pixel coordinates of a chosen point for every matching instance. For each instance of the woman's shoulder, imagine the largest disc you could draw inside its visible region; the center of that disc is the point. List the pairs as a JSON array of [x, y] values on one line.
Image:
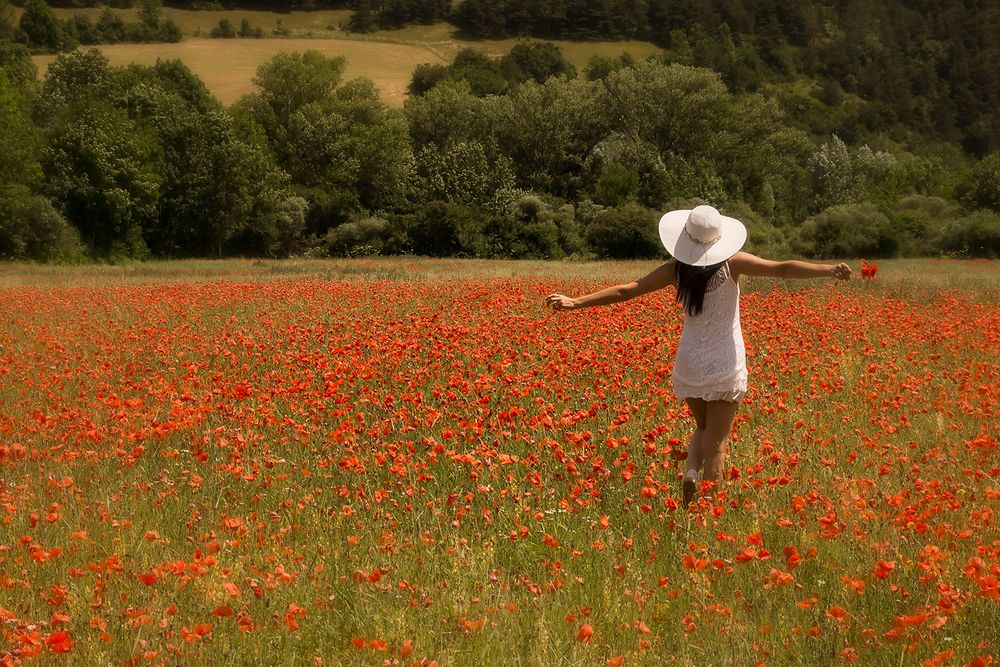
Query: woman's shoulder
[[740, 262]]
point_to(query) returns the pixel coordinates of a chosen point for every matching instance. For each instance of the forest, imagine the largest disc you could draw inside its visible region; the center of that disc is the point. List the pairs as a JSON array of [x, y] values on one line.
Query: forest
[[813, 122]]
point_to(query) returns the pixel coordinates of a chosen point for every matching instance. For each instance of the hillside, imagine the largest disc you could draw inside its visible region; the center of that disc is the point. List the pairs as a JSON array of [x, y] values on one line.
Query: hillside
[[388, 58], [126, 150]]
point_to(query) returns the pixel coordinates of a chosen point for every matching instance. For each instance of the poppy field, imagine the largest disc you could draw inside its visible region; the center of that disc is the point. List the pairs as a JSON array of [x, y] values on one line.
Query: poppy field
[[412, 462]]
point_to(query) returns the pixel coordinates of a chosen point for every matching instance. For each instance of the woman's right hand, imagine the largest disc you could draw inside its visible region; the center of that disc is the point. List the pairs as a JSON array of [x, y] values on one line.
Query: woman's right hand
[[841, 271], [560, 302]]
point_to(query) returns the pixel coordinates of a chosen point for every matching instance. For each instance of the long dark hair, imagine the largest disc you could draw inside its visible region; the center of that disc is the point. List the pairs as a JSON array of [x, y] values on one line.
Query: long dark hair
[[692, 282]]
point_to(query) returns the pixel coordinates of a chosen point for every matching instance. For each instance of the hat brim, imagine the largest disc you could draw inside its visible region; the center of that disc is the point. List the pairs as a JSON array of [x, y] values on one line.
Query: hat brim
[[684, 249]]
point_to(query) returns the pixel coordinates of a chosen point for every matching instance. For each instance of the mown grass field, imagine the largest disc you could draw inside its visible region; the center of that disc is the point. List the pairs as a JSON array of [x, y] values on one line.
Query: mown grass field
[[388, 58], [228, 66], [408, 461]]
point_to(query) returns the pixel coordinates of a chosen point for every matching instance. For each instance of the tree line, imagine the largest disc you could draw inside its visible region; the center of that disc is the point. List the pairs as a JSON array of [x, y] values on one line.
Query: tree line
[[904, 72], [102, 162], [42, 32]]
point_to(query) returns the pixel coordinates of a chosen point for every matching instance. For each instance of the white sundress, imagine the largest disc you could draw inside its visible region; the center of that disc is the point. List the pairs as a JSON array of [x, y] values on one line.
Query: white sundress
[[711, 361]]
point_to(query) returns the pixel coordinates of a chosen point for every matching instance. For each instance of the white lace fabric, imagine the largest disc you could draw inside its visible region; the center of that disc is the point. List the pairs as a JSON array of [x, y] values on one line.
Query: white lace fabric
[[711, 356]]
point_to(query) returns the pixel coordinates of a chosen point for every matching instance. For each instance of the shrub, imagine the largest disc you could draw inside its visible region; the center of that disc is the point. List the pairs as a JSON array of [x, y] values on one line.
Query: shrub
[[425, 77], [848, 230], [625, 232], [918, 222], [358, 238], [523, 238], [444, 229], [31, 228], [981, 188], [537, 209], [224, 30], [763, 237], [976, 235]]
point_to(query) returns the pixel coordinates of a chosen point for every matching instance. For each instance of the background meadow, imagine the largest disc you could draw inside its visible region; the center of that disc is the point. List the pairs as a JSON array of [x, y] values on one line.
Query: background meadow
[[387, 58], [406, 461]]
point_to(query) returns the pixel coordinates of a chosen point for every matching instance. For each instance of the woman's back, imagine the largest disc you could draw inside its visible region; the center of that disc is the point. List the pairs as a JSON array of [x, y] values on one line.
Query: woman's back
[[711, 356]]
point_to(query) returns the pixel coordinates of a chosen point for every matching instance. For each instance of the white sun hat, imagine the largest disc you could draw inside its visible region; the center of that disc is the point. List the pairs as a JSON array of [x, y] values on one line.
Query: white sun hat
[[701, 236]]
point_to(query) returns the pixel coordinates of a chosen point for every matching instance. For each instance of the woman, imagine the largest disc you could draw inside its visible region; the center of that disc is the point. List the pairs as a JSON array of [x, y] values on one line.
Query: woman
[[710, 370]]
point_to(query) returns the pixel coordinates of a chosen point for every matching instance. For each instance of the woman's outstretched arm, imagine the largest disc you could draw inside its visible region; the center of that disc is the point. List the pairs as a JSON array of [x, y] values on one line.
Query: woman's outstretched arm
[[658, 278], [743, 263]]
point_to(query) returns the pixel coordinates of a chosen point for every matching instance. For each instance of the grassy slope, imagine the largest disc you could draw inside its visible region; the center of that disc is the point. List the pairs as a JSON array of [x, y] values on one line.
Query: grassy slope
[[388, 58], [228, 66]]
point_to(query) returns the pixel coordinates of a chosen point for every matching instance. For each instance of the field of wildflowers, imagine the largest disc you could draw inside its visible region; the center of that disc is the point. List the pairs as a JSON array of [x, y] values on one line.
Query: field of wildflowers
[[409, 462]]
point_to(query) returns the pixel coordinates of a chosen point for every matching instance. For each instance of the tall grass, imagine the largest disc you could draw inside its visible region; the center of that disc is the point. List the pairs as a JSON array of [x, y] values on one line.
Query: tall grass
[[353, 461]]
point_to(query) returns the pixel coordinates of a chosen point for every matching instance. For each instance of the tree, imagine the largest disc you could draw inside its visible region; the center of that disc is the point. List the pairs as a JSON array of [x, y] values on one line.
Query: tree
[[77, 76], [42, 29], [20, 140], [171, 76], [538, 61], [17, 66], [466, 173], [30, 228], [624, 169], [150, 12], [548, 130], [246, 30], [981, 188], [449, 113], [214, 187], [225, 29], [599, 67], [481, 19], [482, 72], [288, 82], [364, 19], [8, 26], [840, 175], [102, 172], [352, 144], [676, 108], [111, 27], [425, 77], [443, 229]]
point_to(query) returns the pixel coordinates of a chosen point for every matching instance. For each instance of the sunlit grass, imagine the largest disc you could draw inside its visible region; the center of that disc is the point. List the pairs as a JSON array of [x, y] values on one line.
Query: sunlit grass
[[388, 57]]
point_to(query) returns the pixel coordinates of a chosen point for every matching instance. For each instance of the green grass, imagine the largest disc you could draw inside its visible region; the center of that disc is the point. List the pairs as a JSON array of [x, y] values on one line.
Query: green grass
[[908, 277]]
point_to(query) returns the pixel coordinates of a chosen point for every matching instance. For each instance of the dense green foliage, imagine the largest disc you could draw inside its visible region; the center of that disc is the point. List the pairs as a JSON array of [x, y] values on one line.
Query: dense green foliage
[[836, 66], [537, 61], [42, 32], [941, 80], [516, 156]]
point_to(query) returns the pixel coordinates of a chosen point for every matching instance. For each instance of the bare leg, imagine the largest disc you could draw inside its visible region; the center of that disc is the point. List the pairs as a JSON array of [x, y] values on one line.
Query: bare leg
[[694, 458], [698, 411], [718, 425]]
